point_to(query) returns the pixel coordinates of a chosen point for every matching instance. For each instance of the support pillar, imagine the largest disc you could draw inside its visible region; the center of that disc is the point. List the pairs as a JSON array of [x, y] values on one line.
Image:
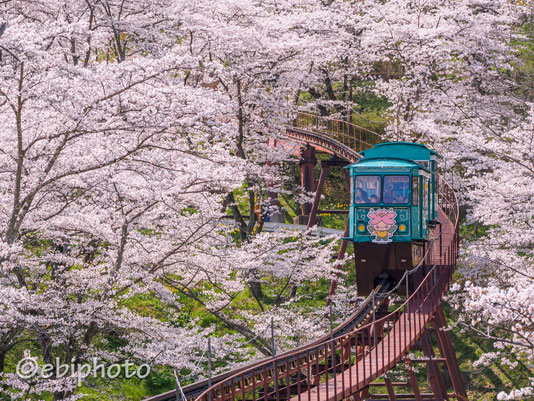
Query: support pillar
[[279, 215], [361, 395], [389, 388], [307, 164], [413, 379], [318, 193], [434, 374], [447, 350]]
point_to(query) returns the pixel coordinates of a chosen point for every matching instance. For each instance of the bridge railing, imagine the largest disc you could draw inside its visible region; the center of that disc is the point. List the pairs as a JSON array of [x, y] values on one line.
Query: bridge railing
[[351, 362], [349, 134]]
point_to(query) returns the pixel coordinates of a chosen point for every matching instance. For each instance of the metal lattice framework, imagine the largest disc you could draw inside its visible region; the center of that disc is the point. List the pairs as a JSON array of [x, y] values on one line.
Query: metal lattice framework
[[344, 366]]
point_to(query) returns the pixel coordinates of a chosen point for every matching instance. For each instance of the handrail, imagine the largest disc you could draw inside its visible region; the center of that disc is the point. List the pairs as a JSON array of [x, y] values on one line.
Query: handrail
[[351, 135], [358, 317], [321, 366]]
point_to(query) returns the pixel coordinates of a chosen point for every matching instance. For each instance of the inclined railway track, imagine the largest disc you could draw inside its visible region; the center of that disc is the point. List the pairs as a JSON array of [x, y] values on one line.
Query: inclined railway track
[[372, 341]]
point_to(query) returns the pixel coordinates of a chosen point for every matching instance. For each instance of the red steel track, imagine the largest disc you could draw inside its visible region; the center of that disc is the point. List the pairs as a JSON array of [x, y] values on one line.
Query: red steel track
[[344, 366], [338, 137]]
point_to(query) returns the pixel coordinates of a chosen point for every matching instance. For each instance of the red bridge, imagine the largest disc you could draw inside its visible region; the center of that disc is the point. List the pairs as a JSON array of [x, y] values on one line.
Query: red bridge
[[354, 360]]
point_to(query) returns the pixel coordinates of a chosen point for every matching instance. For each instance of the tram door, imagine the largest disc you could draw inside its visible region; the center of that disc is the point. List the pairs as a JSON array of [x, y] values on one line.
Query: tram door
[[416, 208]]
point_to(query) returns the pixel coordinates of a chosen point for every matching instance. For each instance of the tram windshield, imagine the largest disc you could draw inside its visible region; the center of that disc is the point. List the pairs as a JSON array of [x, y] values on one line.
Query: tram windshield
[[367, 189], [397, 189]]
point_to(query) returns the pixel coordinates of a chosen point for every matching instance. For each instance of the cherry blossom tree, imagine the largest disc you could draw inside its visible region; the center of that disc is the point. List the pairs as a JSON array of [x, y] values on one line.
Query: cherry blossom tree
[[124, 126], [110, 167], [129, 128], [455, 90], [256, 54], [498, 295]]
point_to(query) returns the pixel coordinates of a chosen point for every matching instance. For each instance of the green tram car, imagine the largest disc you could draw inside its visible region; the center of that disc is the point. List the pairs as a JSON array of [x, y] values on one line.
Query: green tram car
[[392, 211]]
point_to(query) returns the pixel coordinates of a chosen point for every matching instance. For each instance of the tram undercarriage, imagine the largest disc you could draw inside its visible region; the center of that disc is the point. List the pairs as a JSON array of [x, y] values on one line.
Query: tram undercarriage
[[374, 262]]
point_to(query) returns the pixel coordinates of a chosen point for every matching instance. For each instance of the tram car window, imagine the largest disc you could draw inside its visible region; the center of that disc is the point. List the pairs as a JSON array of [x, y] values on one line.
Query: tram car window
[[415, 191], [396, 189], [392, 210], [367, 189]]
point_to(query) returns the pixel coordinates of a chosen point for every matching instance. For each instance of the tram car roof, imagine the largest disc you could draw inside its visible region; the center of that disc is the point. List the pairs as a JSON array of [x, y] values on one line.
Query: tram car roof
[[400, 150], [385, 165]]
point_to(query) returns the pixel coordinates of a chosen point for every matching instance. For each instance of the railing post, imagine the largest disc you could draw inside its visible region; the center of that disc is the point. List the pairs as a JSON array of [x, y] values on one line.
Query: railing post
[[370, 345], [275, 368], [407, 294], [334, 366], [210, 396], [331, 323], [374, 330]]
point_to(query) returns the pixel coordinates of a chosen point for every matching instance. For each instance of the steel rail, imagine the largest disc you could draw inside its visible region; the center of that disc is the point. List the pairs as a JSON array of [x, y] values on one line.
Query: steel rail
[[329, 368], [358, 318]]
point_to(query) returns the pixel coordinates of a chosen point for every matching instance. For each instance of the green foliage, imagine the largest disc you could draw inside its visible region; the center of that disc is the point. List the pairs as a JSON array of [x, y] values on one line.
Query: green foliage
[[159, 381]]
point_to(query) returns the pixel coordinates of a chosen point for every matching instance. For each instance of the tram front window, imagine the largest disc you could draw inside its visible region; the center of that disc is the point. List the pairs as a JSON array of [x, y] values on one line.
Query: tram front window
[[367, 189], [397, 189]]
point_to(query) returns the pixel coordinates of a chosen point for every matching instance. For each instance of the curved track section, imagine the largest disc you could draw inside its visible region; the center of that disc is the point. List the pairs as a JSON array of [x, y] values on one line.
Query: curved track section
[[341, 138], [342, 367], [360, 317], [369, 343]]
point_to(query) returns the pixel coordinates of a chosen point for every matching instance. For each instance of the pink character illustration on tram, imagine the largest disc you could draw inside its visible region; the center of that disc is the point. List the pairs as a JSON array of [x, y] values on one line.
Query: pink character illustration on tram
[[382, 225]]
